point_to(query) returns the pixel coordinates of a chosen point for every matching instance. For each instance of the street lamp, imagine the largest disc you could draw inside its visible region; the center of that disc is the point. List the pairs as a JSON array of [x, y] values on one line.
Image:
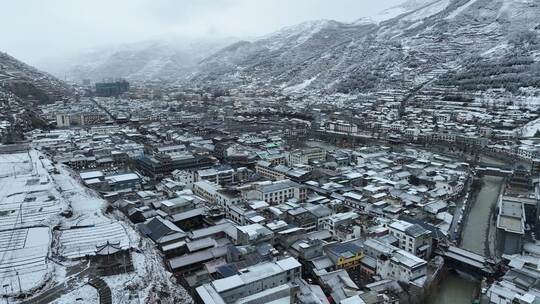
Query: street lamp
[[5, 292]]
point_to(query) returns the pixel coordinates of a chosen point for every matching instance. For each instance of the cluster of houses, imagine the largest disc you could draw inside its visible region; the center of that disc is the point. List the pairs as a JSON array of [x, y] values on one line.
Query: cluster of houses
[[259, 221], [241, 214]]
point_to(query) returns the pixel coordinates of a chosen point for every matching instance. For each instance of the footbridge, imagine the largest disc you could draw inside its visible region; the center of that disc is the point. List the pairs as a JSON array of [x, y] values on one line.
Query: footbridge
[[469, 262], [493, 170]]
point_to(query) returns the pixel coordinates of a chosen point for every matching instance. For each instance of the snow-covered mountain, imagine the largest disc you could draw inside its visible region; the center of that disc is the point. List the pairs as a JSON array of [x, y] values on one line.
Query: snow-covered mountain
[[424, 8], [475, 44], [167, 59], [19, 81]]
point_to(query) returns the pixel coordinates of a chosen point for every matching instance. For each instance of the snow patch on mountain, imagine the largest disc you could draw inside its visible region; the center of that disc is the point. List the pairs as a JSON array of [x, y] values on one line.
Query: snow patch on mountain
[[296, 34], [425, 6], [460, 9], [382, 16], [427, 11], [498, 50], [516, 8], [299, 87]]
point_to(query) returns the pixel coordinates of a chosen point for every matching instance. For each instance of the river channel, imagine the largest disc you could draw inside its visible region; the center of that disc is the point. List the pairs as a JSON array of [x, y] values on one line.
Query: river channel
[[455, 289]]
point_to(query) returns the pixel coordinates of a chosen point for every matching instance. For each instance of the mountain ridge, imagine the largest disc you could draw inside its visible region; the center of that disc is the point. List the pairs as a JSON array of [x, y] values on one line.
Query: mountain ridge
[[437, 38], [25, 83], [158, 59], [405, 46]]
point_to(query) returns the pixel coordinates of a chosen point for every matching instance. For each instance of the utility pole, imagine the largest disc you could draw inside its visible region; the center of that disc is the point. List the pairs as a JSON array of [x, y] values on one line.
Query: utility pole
[[19, 279], [124, 262], [5, 293]]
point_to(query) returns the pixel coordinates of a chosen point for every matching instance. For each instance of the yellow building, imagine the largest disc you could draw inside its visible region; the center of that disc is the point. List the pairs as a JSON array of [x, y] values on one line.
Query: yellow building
[[346, 255]]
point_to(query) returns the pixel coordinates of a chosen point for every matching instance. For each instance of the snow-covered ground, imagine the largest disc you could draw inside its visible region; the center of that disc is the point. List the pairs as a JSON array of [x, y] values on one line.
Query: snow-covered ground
[[460, 9], [23, 258], [32, 201], [77, 243], [13, 164], [530, 129], [85, 204], [149, 274], [83, 294]]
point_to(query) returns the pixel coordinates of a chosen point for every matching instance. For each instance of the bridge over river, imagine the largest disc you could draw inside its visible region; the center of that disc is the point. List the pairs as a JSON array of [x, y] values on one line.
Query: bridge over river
[[466, 261], [493, 170], [477, 245]]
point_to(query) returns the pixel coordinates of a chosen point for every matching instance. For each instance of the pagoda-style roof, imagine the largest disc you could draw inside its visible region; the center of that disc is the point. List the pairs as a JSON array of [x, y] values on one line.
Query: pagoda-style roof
[[108, 248]]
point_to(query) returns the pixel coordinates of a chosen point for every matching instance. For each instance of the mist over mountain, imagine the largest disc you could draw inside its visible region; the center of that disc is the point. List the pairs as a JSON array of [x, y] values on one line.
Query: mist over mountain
[[416, 42], [426, 40], [20, 81], [393, 158], [164, 59]]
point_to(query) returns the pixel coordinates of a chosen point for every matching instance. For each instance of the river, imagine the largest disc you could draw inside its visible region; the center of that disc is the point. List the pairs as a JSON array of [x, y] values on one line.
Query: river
[[476, 229], [455, 289]]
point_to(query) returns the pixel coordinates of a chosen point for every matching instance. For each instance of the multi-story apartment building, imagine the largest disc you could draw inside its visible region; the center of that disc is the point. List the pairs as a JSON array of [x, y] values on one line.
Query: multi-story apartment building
[[222, 176], [206, 190], [333, 222], [298, 173], [278, 192], [412, 238], [306, 156], [401, 266], [261, 283]]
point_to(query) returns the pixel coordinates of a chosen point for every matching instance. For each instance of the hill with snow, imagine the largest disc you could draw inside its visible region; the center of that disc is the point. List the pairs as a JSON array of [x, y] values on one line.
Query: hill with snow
[[474, 44], [19, 81], [167, 60]]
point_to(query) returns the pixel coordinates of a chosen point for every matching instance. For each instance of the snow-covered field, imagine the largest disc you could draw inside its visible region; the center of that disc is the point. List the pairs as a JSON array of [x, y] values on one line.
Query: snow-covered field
[[12, 164], [23, 254], [24, 209], [26, 202], [76, 243], [32, 201]]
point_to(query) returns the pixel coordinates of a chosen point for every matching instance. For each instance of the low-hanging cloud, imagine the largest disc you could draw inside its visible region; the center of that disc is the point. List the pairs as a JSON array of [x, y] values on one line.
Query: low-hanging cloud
[[34, 29]]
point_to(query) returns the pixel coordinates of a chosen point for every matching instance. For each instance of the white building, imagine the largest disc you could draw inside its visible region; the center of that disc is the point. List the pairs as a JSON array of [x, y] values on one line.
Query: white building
[[412, 238], [278, 192], [402, 266], [62, 120], [261, 283], [185, 177], [206, 190], [341, 126], [305, 156], [333, 222], [528, 152]]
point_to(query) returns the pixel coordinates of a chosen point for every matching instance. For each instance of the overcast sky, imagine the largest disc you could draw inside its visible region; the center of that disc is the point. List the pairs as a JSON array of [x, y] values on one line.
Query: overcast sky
[[33, 29]]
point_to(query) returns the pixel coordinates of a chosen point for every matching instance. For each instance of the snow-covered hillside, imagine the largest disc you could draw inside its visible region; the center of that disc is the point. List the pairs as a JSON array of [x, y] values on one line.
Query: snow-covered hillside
[[166, 59], [24, 82], [404, 46], [419, 9], [411, 43], [50, 222]]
